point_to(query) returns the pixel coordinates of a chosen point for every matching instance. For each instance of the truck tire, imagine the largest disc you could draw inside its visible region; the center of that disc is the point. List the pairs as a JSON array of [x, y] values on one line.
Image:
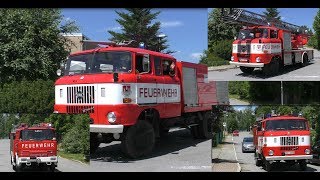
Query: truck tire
[[138, 140], [305, 61], [246, 70], [14, 168], [205, 126], [258, 162], [303, 165], [52, 168], [195, 132], [272, 68], [94, 143], [268, 165]]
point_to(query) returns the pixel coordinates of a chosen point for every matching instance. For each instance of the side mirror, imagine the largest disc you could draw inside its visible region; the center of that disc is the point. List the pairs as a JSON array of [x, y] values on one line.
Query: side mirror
[[146, 63], [54, 139], [59, 72], [235, 38]]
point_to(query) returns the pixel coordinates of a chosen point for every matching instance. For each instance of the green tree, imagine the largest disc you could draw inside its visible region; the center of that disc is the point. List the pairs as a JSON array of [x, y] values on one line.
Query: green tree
[[272, 13], [31, 46], [137, 24], [316, 28]]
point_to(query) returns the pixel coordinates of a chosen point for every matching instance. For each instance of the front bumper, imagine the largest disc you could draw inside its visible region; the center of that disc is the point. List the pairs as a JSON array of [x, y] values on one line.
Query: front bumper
[[98, 128], [47, 160], [279, 158], [257, 65]]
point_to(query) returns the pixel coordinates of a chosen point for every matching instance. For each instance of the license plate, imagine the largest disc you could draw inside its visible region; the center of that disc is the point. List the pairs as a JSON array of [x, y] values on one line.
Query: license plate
[[243, 60], [289, 152]]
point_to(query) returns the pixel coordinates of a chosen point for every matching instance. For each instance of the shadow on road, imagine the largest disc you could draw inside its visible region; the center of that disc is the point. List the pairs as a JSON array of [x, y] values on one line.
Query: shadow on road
[[217, 160], [37, 169], [172, 143], [258, 74], [277, 167]]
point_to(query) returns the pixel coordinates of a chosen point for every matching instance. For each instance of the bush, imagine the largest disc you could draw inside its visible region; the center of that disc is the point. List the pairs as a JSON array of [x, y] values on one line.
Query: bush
[[76, 140], [219, 54], [312, 42]]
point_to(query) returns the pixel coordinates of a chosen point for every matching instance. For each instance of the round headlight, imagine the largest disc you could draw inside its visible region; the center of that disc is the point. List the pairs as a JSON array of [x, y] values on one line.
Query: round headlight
[[307, 151], [258, 59], [270, 153], [112, 117], [232, 58]]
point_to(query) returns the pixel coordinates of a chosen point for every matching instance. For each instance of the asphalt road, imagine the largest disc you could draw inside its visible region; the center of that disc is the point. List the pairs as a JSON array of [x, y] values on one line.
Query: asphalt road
[[64, 165], [247, 162], [177, 152], [291, 73]]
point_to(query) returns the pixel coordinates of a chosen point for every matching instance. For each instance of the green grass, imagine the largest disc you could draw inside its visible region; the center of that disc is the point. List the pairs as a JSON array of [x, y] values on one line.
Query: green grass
[[78, 157]]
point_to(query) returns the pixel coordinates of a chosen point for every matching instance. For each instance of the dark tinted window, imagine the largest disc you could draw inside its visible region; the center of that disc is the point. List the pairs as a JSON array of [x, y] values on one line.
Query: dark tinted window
[[248, 139], [157, 65], [37, 134], [290, 124]]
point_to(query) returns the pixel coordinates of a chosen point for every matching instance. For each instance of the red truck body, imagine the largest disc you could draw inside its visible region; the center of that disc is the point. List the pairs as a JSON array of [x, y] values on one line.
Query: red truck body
[[33, 146], [282, 138], [149, 86]]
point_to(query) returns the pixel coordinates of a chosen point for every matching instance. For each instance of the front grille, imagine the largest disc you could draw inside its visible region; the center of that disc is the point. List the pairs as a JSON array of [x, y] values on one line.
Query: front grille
[[80, 109], [244, 49], [289, 141], [289, 148], [80, 95]]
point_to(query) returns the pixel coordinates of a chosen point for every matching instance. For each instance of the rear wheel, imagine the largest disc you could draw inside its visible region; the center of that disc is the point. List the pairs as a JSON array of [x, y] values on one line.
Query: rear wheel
[[305, 60], [139, 140], [246, 70], [205, 126]]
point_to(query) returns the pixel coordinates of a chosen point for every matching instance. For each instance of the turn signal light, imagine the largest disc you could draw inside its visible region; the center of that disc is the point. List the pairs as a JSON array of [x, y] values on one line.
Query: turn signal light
[[127, 100]]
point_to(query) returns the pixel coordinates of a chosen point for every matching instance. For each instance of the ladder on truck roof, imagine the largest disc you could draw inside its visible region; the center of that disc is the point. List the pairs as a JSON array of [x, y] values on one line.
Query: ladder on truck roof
[[247, 18]]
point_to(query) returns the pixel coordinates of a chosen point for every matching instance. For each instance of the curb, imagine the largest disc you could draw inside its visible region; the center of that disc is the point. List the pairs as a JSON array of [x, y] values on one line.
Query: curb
[[221, 68], [239, 167]]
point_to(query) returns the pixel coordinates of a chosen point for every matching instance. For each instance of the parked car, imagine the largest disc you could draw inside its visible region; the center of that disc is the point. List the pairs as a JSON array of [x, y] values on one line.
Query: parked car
[[315, 150], [235, 133], [247, 145]]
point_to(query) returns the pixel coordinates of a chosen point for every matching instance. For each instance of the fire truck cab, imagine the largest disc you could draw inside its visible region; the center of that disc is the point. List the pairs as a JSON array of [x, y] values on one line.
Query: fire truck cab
[[266, 43], [34, 146], [282, 138], [134, 95]]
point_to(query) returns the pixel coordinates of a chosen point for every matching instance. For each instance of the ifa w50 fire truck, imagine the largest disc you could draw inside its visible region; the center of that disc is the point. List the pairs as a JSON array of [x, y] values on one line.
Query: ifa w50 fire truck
[[134, 95], [34, 146], [266, 43], [282, 138]]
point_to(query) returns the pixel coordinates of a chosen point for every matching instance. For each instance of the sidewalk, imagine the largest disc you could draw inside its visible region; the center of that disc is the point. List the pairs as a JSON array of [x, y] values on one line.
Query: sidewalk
[[224, 158], [221, 68]]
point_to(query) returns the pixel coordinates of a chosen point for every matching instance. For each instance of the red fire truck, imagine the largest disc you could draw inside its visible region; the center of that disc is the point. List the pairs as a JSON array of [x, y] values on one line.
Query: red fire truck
[[134, 95], [266, 43], [34, 146], [282, 138]]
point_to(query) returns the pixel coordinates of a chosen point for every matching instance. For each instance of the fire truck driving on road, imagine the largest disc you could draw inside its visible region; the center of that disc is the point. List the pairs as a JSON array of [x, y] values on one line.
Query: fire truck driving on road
[[266, 43], [282, 138], [134, 95], [33, 146]]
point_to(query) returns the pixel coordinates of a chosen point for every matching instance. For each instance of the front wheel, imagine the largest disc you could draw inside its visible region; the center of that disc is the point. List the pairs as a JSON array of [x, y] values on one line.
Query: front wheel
[[94, 142], [268, 165], [138, 140], [246, 70], [303, 165]]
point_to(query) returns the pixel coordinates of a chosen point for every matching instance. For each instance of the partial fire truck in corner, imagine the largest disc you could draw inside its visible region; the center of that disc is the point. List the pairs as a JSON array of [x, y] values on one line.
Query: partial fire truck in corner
[[34, 146], [266, 43], [134, 95], [282, 138]]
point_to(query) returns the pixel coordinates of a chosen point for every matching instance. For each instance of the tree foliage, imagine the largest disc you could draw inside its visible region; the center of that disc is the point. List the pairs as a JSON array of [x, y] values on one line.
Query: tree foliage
[[137, 24], [272, 13], [30, 43], [316, 28]]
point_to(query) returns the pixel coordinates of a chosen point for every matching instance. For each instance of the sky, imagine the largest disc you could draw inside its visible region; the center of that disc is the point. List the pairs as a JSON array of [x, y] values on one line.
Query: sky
[[243, 107], [297, 16], [186, 29]]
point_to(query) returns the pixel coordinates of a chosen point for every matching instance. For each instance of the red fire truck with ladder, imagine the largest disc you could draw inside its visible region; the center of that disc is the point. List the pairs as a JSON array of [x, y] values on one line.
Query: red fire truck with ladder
[[266, 43], [134, 95], [34, 146], [282, 138]]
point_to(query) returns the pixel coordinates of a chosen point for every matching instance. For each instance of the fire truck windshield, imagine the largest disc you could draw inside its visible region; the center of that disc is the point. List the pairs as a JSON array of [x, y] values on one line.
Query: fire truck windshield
[[253, 33], [37, 134], [100, 62], [290, 124]]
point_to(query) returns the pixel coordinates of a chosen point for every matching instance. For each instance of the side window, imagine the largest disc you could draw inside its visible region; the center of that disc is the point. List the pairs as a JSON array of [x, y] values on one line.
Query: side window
[[168, 67], [142, 63], [157, 65], [273, 34]]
